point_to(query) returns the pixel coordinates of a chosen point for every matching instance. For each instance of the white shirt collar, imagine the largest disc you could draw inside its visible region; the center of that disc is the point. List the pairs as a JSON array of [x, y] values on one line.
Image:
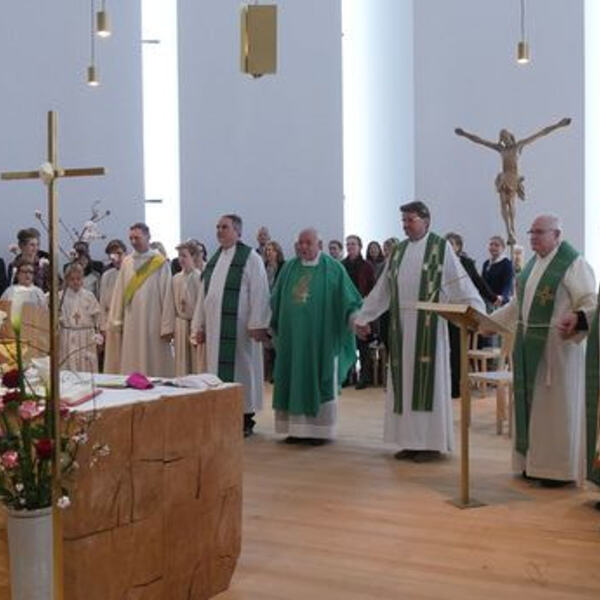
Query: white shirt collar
[[311, 263]]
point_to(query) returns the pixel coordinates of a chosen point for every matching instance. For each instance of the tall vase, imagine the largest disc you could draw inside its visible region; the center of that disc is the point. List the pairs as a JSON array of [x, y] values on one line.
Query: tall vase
[[30, 553]]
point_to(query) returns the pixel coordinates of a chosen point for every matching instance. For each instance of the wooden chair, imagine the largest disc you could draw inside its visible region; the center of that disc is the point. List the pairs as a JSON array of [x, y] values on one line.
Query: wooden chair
[[479, 358], [502, 379]]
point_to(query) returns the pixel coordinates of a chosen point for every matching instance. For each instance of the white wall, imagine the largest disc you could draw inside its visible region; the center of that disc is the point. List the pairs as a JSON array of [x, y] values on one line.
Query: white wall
[[269, 149], [466, 76], [379, 165], [44, 50]]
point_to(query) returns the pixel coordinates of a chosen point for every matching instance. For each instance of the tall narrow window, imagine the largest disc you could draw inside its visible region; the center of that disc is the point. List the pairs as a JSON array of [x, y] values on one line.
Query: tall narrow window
[[592, 133], [161, 120]]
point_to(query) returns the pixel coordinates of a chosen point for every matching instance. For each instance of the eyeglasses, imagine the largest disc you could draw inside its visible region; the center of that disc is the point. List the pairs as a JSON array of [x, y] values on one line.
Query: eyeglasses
[[539, 231], [26, 271]]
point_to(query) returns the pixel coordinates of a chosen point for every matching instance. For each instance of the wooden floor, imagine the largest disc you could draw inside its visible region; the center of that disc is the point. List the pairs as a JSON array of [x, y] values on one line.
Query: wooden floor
[[348, 521]]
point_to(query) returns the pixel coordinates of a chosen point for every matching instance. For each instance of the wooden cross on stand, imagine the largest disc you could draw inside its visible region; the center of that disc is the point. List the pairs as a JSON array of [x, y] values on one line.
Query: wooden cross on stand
[[50, 172]]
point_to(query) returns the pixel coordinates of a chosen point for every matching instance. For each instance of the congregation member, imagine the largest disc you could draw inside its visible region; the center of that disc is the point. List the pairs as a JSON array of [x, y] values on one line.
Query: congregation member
[[488, 296], [498, 271], [232, 315], [555, 290], [115, 249], [79, 318], [24, 286], [313, 302], [189, 357], [262, 238], [142, 308], [389, 245], [335, 248], [375, 258], [418, 411], [362, 275], [3, 277], [29, 248], [274, 262], [92, 269]]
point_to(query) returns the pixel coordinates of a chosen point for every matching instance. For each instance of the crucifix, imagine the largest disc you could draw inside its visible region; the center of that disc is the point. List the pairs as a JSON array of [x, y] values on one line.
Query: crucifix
[[49, 173]]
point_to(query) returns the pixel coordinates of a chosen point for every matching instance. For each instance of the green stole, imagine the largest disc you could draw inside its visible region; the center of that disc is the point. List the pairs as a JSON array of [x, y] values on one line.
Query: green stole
[[592, 389], [229, 306], [139, 277], [530, 344], [429, 291]]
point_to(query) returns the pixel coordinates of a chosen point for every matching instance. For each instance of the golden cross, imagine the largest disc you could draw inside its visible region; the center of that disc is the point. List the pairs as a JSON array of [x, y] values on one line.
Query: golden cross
[[50, 172], [544, 296]]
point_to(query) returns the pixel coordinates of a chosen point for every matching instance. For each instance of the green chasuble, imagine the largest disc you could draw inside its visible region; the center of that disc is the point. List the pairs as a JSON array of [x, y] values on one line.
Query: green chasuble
[[592, 406], [425, 347], [311, 306], [229, 306], [531, 342]]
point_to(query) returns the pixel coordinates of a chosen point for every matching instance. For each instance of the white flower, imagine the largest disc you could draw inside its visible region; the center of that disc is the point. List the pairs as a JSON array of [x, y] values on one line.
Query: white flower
[[38, 214], [80, 438], [46, 172], [13, 248], [19, 487], [63, 502], [44, 261], [19, 298]]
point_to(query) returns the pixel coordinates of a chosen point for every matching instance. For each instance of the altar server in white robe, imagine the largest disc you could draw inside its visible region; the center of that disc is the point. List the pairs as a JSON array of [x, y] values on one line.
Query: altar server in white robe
[[189, 357], [79, 318], [112, 338], [142, 308], [555, 291], [232, 315], [418, 411]]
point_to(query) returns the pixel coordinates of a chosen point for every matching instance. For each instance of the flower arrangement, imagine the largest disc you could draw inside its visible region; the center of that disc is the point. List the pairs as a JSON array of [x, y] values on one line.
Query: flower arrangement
[[27, 432]]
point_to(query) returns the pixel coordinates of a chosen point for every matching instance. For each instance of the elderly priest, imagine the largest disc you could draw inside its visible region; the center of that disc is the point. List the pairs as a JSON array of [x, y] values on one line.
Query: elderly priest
[[555, 291]]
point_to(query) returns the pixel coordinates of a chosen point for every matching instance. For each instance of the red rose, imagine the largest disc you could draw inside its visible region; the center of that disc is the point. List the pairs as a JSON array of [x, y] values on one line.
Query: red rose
[[43, 448], [12, 396], [10, 379]]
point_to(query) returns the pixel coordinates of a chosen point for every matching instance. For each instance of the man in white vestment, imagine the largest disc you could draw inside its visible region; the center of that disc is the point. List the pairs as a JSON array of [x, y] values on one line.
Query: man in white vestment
[[232, 315], [142, 308], [418, 411], [556, 292]]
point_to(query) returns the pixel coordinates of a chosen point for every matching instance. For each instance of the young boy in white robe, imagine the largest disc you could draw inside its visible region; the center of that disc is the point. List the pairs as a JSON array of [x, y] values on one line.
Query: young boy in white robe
[[189, 356], [79, 321], [24, 274]]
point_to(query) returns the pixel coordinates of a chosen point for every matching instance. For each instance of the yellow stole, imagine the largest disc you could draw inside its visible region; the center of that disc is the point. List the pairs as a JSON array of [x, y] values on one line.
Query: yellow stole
[[135, 283]]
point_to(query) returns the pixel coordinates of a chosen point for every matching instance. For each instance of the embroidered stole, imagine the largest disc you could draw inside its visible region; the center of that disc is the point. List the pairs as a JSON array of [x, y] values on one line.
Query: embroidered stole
[[141, 274], [229, 306], [425, 347], [531, 343]]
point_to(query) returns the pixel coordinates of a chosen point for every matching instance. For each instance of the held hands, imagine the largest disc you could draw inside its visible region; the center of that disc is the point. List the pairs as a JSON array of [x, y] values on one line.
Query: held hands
[[566, 325], [363, 331], [258, 335], [498, 301]]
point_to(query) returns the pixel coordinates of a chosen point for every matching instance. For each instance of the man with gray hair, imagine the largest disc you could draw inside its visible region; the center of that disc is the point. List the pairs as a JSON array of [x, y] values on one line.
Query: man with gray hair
[[556, 298], [232, 315], [312, 304]]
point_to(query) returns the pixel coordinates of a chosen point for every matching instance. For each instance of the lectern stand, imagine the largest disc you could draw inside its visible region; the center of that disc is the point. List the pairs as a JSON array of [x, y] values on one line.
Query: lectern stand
[[466, 319]]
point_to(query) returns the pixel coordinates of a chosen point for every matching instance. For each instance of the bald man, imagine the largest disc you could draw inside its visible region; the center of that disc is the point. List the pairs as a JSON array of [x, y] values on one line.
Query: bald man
[[555, 292], [312, 304]]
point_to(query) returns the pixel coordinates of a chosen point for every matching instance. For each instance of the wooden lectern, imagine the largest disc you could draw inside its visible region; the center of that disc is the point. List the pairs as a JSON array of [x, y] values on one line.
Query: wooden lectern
[[466, 319]]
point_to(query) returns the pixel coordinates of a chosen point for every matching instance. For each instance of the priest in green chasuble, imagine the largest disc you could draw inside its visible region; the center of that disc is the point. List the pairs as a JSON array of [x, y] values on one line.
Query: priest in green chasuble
[[555, 291], [142, 310], [313, 302], [423, 267]]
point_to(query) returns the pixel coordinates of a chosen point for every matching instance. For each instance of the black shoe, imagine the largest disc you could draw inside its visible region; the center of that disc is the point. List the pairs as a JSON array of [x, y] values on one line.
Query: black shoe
[[248, 431], [553, 483], [528, 477], [316, 441], [423, 456], [597, 506], [405, 454], [290, 439]]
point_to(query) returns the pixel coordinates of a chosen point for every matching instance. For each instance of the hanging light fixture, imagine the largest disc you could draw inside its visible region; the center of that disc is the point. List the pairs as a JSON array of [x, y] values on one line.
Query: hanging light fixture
[[103, 22], [522, 46], [92, 76]]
